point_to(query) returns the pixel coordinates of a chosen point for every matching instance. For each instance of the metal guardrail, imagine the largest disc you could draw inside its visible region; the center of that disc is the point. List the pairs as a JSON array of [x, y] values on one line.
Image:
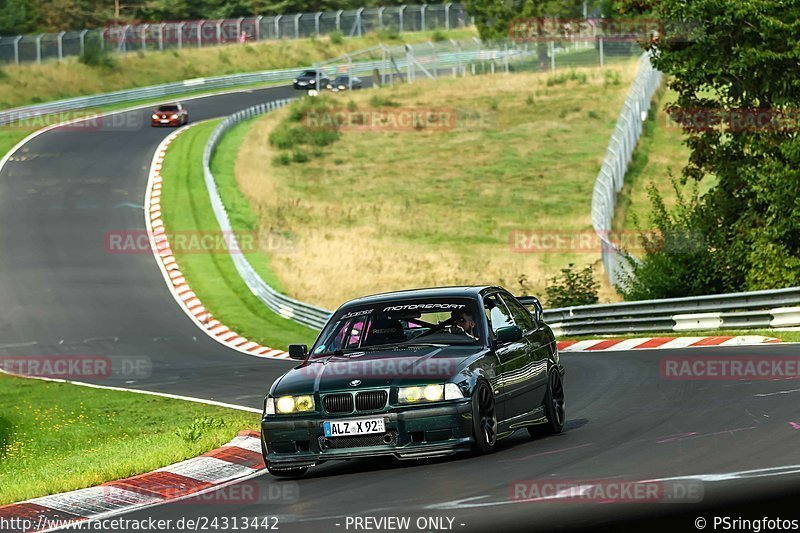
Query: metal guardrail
[[203, 33], [615, 165]]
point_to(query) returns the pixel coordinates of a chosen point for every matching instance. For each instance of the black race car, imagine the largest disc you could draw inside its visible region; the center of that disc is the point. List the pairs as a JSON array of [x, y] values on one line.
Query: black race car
[[311, 79], [344, 82], [415, 374]]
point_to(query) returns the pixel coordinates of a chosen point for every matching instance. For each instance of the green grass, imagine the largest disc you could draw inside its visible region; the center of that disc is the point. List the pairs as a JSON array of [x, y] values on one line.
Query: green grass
[[213, 276], [56, 437], [784, 335]]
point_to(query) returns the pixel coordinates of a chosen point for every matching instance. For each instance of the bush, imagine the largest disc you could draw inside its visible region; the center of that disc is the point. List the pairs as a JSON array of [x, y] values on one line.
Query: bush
[[438, 36], [199, 428], [94, 56], [379, 101], [391, 33], [572, 287], [336, 37]]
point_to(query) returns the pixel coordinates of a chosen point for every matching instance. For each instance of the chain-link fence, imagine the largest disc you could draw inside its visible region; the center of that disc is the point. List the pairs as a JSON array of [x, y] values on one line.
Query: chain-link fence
[[201, 33]]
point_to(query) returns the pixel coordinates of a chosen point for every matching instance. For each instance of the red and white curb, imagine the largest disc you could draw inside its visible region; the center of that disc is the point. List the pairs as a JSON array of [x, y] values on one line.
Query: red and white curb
[[159, 243], [240, 458], [661, 343]]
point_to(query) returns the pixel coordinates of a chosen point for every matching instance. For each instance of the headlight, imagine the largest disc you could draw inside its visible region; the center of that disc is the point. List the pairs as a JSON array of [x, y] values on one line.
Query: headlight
[[294, 80], [155, 116], [428, 393], [343, 86], [312, 81], [175, 116], [292, 404]]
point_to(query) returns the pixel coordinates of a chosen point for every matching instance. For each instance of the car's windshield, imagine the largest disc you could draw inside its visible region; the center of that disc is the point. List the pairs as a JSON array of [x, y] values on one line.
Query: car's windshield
[[168, 108], [341, 79], [404, 323], [312, 73]]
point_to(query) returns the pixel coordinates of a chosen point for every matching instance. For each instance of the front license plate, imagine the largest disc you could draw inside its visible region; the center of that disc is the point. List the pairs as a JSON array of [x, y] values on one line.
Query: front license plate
[[354, 427], [164, 120]]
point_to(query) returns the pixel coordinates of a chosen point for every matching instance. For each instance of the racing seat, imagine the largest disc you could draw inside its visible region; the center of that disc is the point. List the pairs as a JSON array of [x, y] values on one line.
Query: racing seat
[[385, 330]]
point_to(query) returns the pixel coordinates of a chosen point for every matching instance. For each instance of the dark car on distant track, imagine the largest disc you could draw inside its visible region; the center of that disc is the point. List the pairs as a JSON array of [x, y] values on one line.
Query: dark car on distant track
[[169, 115], [415, 374], [311, 79], [344, 82]]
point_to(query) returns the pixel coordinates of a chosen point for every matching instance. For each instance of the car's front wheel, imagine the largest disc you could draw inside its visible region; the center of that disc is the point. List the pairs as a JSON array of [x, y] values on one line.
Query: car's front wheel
[[484, 419], [554, 407]]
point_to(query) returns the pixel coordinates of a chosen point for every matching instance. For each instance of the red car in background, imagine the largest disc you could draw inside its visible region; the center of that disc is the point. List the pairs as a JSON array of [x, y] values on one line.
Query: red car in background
[[169, 115]]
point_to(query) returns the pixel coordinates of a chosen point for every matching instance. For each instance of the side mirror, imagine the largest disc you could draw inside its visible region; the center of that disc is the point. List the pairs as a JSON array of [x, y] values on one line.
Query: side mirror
[[298, 351], [508, 334]]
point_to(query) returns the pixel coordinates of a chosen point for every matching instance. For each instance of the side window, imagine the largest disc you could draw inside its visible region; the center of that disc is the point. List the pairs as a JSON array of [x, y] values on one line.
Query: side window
[[497, 313], [521, 316]]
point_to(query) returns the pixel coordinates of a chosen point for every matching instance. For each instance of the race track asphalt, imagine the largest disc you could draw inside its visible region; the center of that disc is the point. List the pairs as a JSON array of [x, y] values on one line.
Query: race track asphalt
[[63, 293]]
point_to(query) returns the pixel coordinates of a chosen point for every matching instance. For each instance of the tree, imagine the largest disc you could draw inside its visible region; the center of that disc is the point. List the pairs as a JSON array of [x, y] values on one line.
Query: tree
[[733, 63], [17, 16]]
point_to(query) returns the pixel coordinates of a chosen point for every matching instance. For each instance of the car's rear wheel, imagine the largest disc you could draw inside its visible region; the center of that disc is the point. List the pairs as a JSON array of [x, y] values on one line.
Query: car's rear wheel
[[484, 419], [554, 407]]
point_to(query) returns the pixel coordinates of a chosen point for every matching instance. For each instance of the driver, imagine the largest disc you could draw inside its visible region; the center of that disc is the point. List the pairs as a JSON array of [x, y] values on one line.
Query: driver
[[462, 321]]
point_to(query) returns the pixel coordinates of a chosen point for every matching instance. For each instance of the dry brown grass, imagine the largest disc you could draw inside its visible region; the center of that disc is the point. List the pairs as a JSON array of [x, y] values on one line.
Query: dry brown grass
[[385, 210]]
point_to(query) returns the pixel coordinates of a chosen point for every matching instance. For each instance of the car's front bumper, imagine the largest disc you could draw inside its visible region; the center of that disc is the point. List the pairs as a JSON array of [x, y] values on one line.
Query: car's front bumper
[[415, 433], [168, 123]]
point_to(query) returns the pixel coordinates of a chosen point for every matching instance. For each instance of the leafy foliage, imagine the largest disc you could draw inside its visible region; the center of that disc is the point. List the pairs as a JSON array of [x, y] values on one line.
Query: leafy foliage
[[751, 217], [572, 287]]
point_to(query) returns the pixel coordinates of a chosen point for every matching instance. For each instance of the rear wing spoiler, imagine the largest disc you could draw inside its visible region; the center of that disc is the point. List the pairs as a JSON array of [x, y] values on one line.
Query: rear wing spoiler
[[534, 306]]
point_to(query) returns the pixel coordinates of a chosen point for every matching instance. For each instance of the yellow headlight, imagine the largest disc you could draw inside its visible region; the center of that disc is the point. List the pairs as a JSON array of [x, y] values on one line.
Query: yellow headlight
[[304, 403], [285, 404], [433, 393], [409, 394]]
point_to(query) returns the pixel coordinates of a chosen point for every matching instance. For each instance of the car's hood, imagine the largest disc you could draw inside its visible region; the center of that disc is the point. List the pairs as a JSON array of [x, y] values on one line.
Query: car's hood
[[376, 369]]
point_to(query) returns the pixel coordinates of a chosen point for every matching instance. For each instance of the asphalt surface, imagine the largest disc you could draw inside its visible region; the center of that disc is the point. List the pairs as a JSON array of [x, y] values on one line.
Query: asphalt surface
[[62, 292]]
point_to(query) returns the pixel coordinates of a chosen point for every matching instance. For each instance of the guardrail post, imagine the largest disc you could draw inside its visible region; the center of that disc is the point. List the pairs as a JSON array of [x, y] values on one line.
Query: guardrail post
[[219, 30], [422, 16], [39, 47], [278, 26], [447, 15], [358, 20], [316, 22], [144, 36], [401, 14], [435, 60], [60, 42], [17, 39], [339, 20], [297, 25]]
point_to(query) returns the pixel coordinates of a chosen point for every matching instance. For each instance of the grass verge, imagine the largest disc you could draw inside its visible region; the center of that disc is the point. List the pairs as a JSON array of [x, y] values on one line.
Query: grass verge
[[383, 208], [211, 273], [89, 436]]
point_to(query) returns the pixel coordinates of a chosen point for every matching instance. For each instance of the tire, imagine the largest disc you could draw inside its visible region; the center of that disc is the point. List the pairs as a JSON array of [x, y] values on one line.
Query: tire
[[554, 407], [484, 419]]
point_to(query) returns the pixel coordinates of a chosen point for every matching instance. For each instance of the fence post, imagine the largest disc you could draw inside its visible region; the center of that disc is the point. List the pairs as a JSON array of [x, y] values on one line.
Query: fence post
[[339, 20], [278, 26], [180, 35], [161, 35], [219, 30], [422, 16], [60, 44], [297, 25], [435, 60], [358, 19], [144, 36], [401, 16], [239, 23], [447, 15], [505, 57], [601, 51], [380, 17], [39, 48], [200, 26], [16, 48], [103, 38], [316, 22], [552, 56], [257, 32]]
